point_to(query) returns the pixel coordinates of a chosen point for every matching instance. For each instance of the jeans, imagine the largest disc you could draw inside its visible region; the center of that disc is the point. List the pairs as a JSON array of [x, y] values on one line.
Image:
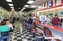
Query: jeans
[[6, 38]]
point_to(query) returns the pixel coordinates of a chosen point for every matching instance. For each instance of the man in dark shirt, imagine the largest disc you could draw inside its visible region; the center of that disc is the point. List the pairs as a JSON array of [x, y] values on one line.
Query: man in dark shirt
[[30, 23], [30, 20]]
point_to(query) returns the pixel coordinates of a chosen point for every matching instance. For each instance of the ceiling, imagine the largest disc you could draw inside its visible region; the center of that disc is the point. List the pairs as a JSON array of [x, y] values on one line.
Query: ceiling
[[19, 4], [5, 5]]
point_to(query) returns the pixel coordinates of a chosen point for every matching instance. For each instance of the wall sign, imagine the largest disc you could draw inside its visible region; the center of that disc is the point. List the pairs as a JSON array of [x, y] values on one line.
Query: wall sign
[[50, 4]]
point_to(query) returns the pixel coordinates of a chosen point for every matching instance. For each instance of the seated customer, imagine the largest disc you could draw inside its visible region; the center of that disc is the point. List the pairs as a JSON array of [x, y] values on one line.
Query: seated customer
[[4, 31], [56, 20]]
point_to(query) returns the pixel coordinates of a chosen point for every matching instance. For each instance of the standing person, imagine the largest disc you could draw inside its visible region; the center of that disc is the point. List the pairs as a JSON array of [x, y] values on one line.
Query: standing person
[[17, 18], [56, 20], [25, 21], [30, 22], [4, 31], [22, 18], [62, 22], [44, 19], [12, 20], [48, 21]]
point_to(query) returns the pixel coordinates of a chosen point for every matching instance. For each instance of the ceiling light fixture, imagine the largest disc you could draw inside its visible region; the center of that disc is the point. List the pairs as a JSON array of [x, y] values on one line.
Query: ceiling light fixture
[[30, 2], [9, 0], [26, 5], [23, 8], [12, 7], [33, 6], [10, 4]]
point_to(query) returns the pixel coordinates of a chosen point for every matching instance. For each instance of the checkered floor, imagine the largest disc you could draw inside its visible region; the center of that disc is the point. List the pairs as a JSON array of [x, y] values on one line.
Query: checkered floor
[[18, 36]]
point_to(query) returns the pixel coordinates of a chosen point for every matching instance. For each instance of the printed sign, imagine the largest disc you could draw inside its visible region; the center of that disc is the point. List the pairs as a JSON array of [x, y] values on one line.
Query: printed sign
[[50, 4]]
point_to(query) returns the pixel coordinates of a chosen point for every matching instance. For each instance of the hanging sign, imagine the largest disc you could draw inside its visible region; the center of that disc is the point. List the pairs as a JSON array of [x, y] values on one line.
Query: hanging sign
[[50, 4]]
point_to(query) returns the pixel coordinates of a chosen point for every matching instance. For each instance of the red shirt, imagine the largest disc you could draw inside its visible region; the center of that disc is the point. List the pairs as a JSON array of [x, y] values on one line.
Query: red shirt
[[55, 20]]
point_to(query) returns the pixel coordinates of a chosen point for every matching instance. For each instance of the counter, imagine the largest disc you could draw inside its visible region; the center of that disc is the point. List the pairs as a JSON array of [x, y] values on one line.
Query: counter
[[54, 30]]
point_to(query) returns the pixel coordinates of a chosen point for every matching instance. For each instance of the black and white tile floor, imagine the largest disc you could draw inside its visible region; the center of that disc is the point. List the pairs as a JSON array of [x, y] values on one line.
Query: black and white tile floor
[[21, 34], [25, 36]]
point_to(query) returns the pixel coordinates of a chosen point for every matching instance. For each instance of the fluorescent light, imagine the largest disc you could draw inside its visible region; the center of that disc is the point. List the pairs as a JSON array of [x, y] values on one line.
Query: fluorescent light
[[26, 5], [12, 7], [33, 6], [9, 0], [30, 2], [23, 8], [10, 4]]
